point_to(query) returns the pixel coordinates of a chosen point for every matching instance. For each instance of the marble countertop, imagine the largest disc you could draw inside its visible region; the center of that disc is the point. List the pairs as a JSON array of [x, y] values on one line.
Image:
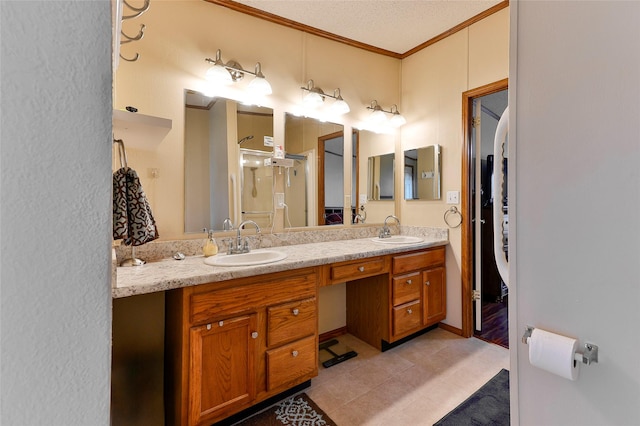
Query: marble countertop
[[168, 274]]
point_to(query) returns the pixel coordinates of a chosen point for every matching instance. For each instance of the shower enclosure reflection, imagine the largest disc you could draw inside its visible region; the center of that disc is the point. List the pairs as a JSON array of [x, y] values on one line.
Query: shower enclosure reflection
[[257, 187], [219, 134]]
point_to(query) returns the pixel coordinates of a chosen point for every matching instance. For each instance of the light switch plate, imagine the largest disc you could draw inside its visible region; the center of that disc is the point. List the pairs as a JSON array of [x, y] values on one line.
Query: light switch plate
[[453, 197]]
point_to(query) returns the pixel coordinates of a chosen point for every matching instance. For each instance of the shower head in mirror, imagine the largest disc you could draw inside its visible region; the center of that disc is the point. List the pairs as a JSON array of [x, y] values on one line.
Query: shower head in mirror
[[246, 138]]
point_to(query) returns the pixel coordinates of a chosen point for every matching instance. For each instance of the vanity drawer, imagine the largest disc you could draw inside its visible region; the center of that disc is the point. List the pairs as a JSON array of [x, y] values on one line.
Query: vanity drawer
[[248, 294], [291, 362], [416, 261], [291, 321], [359, 269], [406, 288], [407, 317]]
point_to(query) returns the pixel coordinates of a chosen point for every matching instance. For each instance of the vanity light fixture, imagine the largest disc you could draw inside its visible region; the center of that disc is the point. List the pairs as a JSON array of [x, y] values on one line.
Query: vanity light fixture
[[232, 71], [316, 96], [378, 115]]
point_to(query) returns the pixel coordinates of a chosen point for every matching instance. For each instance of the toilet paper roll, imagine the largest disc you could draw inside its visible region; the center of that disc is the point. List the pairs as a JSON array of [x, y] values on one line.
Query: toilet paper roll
[[553, 353]]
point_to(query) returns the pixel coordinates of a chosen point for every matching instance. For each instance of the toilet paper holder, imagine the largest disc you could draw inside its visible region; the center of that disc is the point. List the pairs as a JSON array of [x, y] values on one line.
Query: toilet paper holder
[[589, 355]]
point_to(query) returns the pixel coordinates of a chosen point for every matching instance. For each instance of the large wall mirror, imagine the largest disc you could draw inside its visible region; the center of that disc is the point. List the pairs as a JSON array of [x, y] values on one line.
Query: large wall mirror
[[422, 173], [314, 186], [225, 145]]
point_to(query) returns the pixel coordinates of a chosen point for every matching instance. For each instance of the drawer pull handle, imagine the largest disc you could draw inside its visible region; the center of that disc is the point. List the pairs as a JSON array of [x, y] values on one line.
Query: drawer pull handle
[[254, 335], [295, 312], [428, 283], [361, 268], [208, 326], [294, 353], [409, 311], [221, 323], [409, 282]]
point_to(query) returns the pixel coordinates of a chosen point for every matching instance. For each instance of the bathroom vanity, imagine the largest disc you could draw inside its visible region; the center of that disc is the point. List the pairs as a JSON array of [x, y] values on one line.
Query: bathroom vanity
[[236, 336]]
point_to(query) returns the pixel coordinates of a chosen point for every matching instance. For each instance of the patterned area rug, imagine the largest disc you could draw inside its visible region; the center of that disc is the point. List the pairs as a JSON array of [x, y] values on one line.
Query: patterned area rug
[[299, 410]]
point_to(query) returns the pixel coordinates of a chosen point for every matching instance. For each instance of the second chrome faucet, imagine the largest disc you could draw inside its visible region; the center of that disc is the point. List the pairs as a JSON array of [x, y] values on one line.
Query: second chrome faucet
[[385, 232]]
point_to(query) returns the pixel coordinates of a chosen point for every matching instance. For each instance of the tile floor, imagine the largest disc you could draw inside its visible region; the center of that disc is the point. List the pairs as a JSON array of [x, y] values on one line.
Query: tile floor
[[416, 383]]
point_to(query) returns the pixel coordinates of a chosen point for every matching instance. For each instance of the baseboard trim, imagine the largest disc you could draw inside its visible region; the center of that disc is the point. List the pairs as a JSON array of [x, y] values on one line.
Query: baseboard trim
[[451, 329], [385, 346], [332, 334]]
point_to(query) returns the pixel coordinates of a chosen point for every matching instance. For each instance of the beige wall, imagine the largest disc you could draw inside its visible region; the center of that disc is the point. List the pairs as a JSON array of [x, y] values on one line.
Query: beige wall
[[433, 81], [427, 86]]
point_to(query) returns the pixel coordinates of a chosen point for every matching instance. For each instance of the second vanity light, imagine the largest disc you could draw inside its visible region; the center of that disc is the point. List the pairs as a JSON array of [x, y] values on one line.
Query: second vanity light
[[316, 96], [378, 115], [232, 71]]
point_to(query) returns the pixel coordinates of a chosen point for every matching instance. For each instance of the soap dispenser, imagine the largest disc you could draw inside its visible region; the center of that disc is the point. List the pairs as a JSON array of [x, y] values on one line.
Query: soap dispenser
[[210, 247]]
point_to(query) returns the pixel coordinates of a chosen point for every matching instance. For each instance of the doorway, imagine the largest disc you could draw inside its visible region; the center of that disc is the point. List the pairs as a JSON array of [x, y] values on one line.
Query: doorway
[[485, 296]]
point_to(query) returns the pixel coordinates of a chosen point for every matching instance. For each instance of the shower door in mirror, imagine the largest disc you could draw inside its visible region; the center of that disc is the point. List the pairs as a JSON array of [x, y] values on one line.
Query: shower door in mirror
[[257, 187]]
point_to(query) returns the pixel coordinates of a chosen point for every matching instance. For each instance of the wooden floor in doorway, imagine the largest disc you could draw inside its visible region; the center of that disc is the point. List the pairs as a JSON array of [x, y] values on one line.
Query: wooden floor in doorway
[[495, 323]]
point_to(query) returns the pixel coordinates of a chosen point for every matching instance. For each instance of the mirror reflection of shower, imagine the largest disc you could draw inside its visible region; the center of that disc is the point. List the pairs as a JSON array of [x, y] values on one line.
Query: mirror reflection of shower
[[246, 138]]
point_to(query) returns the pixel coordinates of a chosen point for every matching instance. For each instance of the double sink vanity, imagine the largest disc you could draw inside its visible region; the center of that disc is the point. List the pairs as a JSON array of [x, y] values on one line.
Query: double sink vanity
[[238, 335]]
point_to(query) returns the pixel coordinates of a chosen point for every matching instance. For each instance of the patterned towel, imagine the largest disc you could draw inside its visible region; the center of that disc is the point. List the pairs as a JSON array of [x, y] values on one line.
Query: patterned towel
[[132, 218]]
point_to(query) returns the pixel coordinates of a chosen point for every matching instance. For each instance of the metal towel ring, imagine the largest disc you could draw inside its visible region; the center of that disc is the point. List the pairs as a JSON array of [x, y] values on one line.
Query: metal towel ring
[[452, 210]]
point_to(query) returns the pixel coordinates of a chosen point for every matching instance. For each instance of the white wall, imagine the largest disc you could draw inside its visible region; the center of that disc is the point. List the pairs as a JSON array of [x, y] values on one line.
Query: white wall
[[577, 198], [55, 214]]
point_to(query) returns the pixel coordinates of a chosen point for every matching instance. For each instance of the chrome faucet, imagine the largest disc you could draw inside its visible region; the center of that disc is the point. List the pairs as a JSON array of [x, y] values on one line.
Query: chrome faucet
[[227, 225], [240, 246], [385, 232]]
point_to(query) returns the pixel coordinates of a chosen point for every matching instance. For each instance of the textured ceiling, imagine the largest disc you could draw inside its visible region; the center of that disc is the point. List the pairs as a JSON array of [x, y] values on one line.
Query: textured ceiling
[[394, 25]]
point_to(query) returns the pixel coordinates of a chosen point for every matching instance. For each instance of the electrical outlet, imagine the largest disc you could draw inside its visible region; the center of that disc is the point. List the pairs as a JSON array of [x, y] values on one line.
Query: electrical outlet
[[453, 197], [363, 199], [279, 200]]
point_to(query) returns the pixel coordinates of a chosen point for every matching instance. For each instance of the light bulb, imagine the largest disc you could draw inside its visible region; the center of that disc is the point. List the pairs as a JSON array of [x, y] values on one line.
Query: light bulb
[[313, 99], [398, 120], [260, 86], [340, 107], [378, 116], [219, 74]]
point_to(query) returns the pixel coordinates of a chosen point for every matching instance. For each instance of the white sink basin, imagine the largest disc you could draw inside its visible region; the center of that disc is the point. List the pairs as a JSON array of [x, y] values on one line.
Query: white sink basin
[[257, 257], [398, 239]]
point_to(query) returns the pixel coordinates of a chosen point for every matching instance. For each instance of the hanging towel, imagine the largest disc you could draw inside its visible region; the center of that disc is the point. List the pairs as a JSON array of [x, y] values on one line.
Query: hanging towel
[[132, 217]]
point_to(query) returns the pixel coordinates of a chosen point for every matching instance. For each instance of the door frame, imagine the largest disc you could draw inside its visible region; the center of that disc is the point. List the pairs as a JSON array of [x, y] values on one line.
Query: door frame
[[467, 225]]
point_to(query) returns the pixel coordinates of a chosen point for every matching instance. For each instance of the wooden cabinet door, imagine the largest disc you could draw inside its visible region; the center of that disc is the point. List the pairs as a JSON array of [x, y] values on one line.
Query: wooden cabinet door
[[435, 301], [222, 367]]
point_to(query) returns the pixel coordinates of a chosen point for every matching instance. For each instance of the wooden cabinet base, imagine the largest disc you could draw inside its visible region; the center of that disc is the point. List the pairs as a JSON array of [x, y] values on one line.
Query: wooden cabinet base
[[234, 344]]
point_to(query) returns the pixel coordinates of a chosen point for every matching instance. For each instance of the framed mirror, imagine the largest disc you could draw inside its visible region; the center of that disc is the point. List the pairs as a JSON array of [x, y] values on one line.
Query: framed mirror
[[422, 173], [218, 133], [314, 186]]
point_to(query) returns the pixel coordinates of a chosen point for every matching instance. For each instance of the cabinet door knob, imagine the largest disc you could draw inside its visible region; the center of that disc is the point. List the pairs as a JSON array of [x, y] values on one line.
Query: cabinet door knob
[[295, 312], [208, 326], [409, 281], [221, 323], [409, 311], [294, 353], [254, 335], [428, 283], [361, 268]]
